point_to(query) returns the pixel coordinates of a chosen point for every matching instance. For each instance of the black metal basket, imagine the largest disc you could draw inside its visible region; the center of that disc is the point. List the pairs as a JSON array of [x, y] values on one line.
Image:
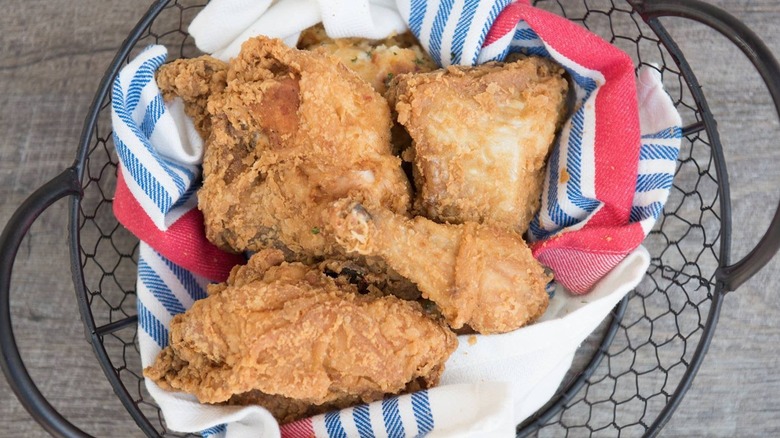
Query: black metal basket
[[629, 376]]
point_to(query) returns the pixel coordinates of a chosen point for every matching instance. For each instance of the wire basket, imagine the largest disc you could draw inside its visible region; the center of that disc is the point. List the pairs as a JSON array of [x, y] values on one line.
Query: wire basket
[[627, 378]]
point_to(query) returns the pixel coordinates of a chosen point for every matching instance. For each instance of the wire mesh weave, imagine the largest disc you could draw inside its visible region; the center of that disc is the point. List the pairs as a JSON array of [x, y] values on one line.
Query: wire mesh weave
[[614, 389]]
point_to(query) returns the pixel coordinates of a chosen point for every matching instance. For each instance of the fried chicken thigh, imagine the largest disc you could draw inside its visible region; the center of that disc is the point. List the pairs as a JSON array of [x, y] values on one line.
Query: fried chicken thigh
[[291, 132], [297, 341], [478, 275], [481, 137]]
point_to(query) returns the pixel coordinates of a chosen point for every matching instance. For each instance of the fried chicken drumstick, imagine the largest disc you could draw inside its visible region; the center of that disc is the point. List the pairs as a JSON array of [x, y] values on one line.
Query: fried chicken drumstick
[[481, 137], [286, 335], [478, 275]]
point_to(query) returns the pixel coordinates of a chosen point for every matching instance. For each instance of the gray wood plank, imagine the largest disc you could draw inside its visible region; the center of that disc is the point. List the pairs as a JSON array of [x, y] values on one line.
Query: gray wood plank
[[54, 54]]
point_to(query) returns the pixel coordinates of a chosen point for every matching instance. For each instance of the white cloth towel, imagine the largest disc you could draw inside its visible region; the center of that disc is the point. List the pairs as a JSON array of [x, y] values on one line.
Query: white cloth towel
[[222, 26]]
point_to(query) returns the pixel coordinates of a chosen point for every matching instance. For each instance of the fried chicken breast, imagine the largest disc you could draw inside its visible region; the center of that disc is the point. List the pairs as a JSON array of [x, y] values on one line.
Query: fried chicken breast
[[481, 137], [293, 131], [296, 341], [478, 275]]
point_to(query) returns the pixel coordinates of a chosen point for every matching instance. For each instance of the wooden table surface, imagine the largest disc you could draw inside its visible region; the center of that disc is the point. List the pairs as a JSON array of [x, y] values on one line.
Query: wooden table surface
[[54, 54]]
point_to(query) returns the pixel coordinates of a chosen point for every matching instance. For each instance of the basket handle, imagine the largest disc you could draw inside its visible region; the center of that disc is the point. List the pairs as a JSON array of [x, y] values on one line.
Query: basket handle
[[731, 276], [65, 184]]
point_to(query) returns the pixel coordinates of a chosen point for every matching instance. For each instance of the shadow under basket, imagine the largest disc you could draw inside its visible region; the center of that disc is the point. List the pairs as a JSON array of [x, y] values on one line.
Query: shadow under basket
[[626, 379]]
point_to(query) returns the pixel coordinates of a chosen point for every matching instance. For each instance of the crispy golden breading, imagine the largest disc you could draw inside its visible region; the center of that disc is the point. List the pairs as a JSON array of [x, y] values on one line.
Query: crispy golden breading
[[292, 132], [288, 330], [375, 61], [478, 275], [481, 138], [194, 81], [370, 275], [285, 409]]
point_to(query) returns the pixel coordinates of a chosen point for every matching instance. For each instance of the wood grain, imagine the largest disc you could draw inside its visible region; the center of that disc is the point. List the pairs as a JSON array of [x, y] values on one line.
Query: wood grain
[[54, 54]]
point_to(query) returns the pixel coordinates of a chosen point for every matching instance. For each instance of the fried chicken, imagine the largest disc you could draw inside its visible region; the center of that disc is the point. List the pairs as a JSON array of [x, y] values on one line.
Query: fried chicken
[[285, 409], [478, 275], [194, 81], [481, 138], [375, 61], [287, 336], [292, 132], [371, 275]]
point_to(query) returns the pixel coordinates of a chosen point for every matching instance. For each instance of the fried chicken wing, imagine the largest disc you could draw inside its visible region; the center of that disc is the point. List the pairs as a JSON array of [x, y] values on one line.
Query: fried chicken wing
[[194, 81], [481, 138], [292, 132], [375, 61], [287, 336], [478, 275]]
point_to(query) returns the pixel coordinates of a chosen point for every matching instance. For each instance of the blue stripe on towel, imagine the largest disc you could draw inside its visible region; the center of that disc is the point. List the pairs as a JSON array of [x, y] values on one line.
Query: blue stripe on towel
[[417, 15], [422, 412], [673, 132], [159, 289], [653, 181], [658, 152], [152, 326], [641, 213], [437, 32], [498, 6], [392, 418], [362, 418], [462, 29], [333, 425]]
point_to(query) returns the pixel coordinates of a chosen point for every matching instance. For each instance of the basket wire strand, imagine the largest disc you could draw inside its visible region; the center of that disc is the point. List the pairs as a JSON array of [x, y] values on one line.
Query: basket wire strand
[[622, 377]]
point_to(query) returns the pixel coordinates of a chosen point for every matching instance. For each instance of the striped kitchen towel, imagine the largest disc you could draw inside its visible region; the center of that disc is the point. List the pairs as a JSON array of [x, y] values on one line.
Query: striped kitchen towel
[[610, 173], [160, 152], [607, 181]]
